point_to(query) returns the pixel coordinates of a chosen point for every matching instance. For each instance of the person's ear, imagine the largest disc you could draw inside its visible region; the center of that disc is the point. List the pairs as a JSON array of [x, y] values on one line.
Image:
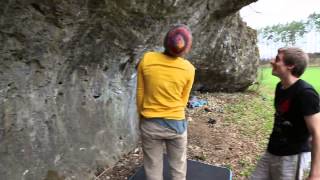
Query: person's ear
[[290, 67]]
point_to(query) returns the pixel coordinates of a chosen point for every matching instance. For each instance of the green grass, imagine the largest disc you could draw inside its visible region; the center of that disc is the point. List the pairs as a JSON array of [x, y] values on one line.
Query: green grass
[[252, 114], [312, 76], [268, 81]]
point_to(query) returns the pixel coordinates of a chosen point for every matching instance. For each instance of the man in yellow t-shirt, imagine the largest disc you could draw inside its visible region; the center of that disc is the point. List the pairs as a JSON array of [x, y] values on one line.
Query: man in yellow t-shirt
[[163, 87]]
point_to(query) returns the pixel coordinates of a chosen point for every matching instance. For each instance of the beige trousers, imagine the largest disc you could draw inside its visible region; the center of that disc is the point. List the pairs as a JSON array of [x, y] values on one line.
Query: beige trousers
[[271, 167], [153, 137]]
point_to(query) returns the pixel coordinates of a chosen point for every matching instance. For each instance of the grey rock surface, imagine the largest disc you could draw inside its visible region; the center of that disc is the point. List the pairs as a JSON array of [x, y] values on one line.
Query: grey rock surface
[[228, 61], [67, 75]]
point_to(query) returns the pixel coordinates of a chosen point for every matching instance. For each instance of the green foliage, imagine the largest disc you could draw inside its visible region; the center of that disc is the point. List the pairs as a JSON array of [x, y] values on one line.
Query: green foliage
[[287, 33], [290, 32], [314, 21]]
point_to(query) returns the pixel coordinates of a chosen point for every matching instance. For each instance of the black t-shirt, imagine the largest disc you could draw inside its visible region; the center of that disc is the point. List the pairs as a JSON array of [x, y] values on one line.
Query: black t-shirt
[[290, 134]]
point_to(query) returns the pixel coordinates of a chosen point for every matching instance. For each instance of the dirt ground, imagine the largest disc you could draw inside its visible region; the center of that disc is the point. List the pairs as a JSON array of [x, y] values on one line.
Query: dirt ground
[[211, 139]]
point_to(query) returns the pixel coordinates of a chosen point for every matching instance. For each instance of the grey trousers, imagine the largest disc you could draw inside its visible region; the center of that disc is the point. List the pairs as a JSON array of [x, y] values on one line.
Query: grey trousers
[[153, 137], [271, 167]]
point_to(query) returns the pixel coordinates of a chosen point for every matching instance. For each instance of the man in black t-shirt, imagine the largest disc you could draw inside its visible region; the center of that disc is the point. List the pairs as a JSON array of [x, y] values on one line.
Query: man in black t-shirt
[[296, 123]]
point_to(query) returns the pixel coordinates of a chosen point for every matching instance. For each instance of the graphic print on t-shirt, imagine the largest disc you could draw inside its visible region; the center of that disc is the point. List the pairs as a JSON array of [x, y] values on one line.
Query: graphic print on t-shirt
[[284, 106], [290, 134], [283, 125]]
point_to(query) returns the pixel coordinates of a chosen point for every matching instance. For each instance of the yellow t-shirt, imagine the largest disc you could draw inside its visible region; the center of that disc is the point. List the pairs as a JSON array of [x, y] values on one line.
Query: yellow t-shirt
[[163, 86]]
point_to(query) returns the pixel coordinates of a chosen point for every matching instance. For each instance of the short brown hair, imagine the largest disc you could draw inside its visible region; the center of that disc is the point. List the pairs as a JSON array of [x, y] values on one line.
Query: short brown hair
[[296, 57]]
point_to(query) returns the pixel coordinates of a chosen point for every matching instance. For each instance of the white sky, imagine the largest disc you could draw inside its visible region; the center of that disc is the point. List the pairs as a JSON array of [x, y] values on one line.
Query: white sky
[[271, 12]]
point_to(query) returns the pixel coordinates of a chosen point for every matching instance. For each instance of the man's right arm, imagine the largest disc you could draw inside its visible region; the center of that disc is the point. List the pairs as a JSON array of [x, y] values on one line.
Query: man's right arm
[[313, 124]]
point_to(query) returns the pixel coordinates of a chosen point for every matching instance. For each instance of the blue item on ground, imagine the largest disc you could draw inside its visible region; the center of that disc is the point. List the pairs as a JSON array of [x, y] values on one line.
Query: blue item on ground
[[195, 102]]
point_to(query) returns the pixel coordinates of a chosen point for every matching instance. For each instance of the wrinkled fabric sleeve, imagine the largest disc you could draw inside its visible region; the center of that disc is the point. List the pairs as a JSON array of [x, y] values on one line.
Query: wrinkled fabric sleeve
[[188, 87], [309, 100]]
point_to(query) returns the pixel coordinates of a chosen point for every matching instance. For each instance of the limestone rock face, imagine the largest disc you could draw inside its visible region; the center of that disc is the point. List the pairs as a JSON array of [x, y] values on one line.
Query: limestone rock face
[[67, 75], [228, 61]]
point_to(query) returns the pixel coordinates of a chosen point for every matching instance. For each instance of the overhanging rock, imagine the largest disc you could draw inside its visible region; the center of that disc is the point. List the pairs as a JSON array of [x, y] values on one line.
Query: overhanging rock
[[67, 75]]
